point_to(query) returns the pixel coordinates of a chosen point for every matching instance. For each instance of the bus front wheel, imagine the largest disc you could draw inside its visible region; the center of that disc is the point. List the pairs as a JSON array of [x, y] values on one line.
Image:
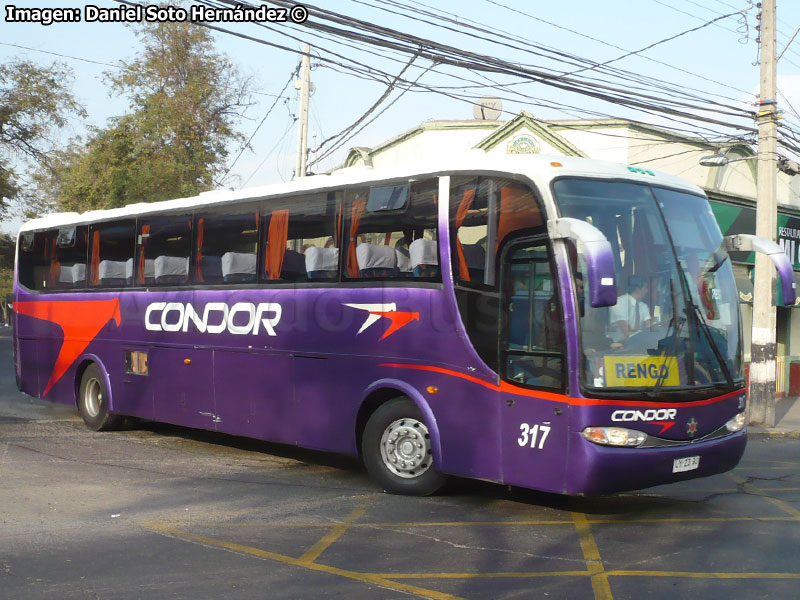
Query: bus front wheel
[[396, 447], [93, 401]]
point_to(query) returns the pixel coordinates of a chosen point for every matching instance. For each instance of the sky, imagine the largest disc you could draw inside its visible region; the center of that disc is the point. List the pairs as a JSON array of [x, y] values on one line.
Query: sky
[[716, 61]]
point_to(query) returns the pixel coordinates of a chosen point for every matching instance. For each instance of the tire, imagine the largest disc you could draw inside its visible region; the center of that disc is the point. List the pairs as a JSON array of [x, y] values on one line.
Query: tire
[[93, 401], [397, 450]]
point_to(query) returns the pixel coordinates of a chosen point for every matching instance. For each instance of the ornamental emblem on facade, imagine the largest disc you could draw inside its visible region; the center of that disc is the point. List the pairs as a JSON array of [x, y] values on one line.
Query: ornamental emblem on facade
[[691, 427], [522, 144]]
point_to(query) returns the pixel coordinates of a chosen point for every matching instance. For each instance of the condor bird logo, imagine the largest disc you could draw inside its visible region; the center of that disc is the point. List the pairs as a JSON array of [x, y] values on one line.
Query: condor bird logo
[[80, 320], [387, 311]]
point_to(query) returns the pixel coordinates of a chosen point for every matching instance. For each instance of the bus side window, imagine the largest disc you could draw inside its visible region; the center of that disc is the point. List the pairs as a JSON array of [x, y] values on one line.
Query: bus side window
[[69, 270], [391, 232], [226, 246], [163, 252], [484, 214], [299, 238], [34, 259], [111, 246], [26, 257]]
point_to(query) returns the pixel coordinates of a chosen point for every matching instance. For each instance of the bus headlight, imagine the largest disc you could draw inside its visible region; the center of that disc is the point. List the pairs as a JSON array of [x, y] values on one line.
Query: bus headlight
[[614, 436], [736, 423]]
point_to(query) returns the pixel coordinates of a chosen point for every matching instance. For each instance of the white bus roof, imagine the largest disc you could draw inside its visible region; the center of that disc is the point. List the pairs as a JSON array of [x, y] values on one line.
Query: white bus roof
[[540, 169]]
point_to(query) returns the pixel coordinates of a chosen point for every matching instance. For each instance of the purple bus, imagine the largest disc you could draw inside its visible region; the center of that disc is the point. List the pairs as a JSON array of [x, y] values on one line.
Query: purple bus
[[558, 324]]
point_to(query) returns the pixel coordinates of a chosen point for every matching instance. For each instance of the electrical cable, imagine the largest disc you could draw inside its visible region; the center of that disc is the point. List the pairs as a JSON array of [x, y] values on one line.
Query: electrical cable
[[269, 110], [441, 53]]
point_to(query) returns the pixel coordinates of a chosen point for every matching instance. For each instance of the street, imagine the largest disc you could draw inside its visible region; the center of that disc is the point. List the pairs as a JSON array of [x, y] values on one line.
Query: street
[[158, 511]]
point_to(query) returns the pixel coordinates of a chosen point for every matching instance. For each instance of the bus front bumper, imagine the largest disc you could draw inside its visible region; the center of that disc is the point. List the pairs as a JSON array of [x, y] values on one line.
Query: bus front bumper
[[595, 469]]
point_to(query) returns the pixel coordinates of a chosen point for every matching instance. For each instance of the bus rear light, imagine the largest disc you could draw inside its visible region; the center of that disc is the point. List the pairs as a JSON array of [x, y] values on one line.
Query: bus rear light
[[736, 423], [614, 436]]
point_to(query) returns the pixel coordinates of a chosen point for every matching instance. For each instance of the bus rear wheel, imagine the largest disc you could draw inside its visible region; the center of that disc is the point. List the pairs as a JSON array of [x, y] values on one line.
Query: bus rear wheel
[[396, 447], [93, 401]]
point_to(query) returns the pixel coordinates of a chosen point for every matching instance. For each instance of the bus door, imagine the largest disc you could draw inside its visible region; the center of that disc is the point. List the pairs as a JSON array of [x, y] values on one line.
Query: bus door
[[184, 392], [533, 367]]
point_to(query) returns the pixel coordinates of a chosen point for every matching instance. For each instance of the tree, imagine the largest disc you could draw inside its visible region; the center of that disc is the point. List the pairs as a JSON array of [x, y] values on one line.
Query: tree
[[184, 99], [7, 248], [35, 102]]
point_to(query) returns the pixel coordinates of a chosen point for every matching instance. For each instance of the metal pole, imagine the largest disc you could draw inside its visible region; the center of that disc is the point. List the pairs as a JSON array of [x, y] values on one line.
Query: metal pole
[[304, 85], [763, 349]]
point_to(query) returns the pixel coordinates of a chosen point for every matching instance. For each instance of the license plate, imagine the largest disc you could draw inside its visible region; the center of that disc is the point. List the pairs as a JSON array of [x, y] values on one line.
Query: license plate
[[690, 463]]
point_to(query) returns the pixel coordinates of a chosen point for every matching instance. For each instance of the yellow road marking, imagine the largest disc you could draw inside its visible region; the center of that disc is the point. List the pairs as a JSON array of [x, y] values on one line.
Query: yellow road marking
[[362, 577], [612, 573], [694, 575], [784, 506], [378, 525], [334, 534], [599, 576], [594, 564], [766, 468], [500, 575], [755, 464]]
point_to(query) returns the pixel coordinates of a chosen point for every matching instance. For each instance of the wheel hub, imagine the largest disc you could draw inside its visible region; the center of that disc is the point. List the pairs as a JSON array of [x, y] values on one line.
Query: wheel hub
[[406, 448], [93, 397]]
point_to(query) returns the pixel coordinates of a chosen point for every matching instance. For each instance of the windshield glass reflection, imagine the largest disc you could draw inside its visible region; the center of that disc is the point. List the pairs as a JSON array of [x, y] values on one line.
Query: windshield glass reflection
[[676, 321]]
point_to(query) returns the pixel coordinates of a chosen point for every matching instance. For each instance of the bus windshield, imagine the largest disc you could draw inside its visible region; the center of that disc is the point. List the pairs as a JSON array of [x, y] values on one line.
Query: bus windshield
[[675, 325]]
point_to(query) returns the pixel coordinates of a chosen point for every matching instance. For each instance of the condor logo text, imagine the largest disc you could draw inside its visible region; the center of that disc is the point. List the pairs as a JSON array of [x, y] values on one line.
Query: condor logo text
[[660, 414], [216, 317]]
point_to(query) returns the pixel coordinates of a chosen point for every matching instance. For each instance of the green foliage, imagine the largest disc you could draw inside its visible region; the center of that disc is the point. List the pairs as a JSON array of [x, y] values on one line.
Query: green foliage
[[35, 101], [184, 99], [7, 247]]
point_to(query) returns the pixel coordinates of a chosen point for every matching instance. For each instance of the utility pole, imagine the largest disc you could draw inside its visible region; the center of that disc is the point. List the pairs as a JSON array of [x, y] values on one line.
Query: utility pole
[[763, 348], [304, 85]]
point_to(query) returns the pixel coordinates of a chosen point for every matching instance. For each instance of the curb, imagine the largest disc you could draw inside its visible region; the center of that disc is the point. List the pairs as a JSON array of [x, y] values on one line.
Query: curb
[[772, 433]]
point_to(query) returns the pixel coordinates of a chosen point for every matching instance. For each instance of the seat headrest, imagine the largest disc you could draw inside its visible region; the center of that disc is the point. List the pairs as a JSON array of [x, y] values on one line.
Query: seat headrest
[[322, 259], [149, 268], [111, 269], [372, 256], [72, 273], [423, 252], [78, 273], [169, 265], [238, 263]]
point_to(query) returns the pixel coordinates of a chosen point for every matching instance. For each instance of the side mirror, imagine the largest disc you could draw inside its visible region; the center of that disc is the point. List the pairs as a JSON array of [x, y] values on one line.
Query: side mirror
[[752, 243], [598, 254]]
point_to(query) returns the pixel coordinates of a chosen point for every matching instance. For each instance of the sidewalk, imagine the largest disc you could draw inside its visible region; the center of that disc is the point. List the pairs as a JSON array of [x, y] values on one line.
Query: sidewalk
[[787, 420]]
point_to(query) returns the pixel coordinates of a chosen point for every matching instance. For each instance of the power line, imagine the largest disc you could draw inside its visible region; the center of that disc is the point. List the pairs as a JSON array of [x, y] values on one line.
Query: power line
[[622, 97], [605, 43], [250, 139], [522, 44], [261, 164], [104, 64], [446, 54], [665, 40], [343, 141], [377, 103], [454, 57]]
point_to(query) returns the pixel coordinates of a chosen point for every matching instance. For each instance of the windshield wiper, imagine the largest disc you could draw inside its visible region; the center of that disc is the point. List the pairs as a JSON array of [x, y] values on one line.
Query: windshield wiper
[[677, 322], [701, 322]]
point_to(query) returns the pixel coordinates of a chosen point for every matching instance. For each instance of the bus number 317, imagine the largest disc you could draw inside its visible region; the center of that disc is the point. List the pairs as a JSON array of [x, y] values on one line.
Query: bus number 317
[[531, 433]]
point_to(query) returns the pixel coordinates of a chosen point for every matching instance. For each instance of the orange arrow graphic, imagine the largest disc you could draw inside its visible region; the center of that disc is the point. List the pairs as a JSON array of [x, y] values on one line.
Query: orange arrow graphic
[[80, 320], [398, 319]]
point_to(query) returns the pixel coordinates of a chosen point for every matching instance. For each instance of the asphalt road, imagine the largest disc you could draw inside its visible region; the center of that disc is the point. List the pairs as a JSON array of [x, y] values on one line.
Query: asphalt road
[[165, 512]]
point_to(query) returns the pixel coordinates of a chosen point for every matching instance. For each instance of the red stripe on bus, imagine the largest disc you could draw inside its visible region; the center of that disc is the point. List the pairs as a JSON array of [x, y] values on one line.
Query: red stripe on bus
[[513, 389]]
